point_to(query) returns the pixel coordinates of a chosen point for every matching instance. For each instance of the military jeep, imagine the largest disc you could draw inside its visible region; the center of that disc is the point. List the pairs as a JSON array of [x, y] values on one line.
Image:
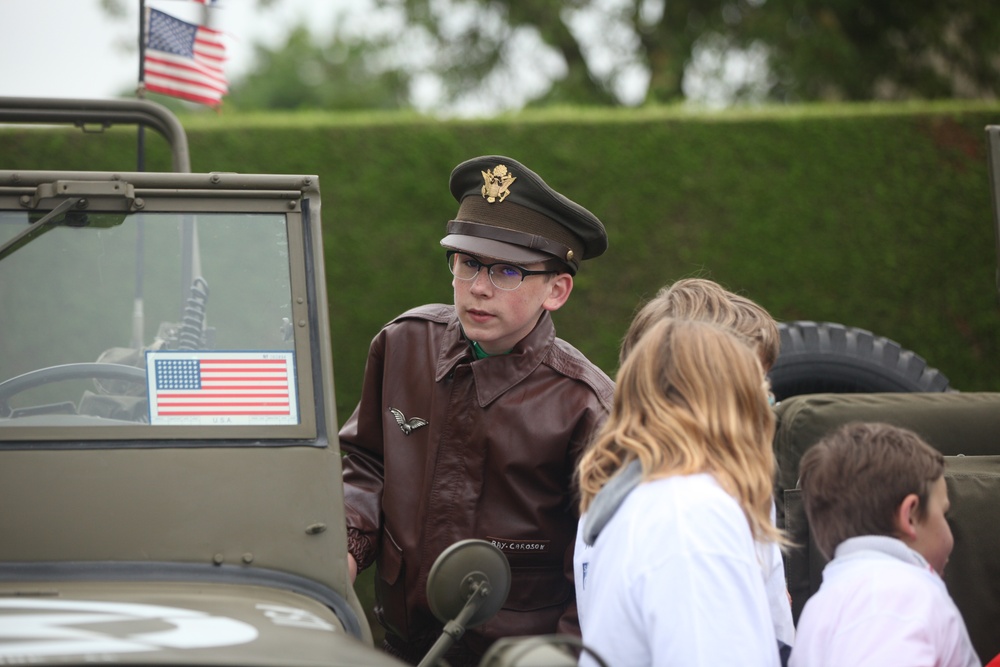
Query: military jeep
[[170, 473]]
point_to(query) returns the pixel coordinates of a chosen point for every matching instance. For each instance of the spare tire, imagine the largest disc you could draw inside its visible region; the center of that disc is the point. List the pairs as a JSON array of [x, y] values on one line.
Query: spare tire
[[821, 357]]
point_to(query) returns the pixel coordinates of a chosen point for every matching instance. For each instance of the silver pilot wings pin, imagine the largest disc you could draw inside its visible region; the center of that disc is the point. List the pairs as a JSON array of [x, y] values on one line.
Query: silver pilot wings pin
[[407, 426]]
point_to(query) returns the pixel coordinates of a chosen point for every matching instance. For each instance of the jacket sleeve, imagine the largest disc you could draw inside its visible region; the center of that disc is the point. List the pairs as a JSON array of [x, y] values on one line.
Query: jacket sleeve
[[364, 477]]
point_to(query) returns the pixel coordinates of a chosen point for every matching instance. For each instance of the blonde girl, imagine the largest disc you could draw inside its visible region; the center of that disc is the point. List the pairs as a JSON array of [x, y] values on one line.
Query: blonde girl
[[670, 575]]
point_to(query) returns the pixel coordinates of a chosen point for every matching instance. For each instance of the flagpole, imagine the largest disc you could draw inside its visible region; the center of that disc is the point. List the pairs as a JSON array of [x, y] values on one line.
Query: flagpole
[[140, 91], [138, 307]]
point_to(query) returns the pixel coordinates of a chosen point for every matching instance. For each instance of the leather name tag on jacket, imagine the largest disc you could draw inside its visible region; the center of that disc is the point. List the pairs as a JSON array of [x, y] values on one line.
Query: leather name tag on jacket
[[519, 546]]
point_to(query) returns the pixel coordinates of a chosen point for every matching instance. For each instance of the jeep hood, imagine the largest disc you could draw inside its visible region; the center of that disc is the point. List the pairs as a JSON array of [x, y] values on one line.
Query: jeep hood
[[59, 623]]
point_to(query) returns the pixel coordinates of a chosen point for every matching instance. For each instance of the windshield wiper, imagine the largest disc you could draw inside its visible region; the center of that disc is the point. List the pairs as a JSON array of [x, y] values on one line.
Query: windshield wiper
[[35, 229]]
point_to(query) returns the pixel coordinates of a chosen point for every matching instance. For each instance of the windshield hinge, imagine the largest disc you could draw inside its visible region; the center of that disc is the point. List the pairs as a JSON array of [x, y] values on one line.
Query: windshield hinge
[[83, 191]]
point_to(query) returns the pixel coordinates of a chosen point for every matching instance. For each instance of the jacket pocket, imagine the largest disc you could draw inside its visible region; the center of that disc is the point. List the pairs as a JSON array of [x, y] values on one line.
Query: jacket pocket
[[390, 587], [533, 588]]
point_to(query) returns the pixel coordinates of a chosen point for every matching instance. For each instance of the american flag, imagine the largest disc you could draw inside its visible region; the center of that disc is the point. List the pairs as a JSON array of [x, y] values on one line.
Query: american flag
[[183, 59], [220, 384]]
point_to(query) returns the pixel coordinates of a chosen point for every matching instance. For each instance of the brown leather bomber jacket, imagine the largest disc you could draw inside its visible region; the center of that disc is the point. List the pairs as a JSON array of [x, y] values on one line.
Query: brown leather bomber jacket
[[443, 447]]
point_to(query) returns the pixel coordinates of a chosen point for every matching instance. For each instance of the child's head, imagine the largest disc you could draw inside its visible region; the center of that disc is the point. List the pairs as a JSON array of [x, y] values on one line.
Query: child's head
[[876, 479], [705, 300], [688, 399], [513, 249]]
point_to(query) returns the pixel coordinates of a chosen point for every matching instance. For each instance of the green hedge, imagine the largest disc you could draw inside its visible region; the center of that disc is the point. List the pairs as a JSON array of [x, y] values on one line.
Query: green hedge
[[869, 215]]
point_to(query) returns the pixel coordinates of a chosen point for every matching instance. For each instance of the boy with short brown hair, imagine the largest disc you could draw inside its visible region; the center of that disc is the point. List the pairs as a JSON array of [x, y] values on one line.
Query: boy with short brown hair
[[876, 499]]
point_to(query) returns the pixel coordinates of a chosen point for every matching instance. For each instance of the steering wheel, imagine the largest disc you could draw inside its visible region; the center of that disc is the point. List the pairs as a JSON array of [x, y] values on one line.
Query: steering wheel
[[40, 376]]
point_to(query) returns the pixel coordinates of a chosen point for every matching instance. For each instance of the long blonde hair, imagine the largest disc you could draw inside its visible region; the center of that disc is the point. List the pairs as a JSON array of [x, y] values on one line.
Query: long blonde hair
[[690, 398]]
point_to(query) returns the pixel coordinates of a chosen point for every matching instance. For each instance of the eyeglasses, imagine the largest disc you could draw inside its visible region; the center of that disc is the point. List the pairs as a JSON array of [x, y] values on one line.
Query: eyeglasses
[[503, 276]]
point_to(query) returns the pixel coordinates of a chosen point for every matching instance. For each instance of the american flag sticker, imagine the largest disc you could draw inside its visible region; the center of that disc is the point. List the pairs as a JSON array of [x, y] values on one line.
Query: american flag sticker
[[221, 388]]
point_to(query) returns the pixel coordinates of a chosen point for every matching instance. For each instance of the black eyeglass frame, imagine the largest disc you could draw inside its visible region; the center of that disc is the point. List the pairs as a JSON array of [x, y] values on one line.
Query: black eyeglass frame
[[489, 270]]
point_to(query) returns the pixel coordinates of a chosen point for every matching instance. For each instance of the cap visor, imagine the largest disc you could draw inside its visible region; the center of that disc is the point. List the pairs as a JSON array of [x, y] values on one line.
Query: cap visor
[[490, 249]]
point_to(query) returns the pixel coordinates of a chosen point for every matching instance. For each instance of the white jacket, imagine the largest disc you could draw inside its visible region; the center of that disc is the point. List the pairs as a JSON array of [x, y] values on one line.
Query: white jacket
[[881, 604]]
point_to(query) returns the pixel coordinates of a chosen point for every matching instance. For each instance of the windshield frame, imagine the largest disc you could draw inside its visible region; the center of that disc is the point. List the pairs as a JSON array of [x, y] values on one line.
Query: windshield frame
[[294, 197]]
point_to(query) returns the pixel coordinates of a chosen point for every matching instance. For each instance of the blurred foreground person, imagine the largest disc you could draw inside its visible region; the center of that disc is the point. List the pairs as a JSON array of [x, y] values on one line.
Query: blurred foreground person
[[672, 576], [707, 301]]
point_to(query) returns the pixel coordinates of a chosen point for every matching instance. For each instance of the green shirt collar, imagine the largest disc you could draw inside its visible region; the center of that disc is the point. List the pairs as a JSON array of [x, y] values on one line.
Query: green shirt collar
[[482, 354]]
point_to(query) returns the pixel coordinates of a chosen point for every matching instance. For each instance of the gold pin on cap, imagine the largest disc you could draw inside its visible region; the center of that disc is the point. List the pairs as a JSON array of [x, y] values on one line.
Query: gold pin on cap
[[496, 183]]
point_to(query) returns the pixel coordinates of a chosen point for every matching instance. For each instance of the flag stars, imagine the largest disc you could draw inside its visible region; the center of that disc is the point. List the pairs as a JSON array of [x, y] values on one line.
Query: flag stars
[[171, 35], [178, 374]]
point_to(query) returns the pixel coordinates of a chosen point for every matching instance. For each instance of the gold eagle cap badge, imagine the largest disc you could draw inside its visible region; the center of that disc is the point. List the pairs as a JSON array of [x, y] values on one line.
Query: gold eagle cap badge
[[496, 183]]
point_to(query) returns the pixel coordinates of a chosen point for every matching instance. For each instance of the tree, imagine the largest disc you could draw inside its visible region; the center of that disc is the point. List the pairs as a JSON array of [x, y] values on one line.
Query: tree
[[301, 74], [891, 49], [799, 50]]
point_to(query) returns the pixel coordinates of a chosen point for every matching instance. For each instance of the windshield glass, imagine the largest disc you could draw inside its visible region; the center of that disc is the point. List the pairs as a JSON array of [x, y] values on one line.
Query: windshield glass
[[146, 318]]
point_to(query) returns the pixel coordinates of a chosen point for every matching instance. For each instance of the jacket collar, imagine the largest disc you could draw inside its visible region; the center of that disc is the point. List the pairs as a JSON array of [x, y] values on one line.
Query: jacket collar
[[883, 545], [494, 375]]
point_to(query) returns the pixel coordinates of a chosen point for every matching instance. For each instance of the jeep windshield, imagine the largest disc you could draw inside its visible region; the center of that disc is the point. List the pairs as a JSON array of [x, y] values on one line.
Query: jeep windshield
[[169, 307]]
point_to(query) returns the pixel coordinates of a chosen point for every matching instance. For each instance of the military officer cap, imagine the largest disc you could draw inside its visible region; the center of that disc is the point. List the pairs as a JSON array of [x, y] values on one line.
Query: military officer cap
[[507, 212]]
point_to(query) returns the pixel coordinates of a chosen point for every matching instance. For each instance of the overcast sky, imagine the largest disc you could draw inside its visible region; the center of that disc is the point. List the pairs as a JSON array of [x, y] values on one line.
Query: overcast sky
[[72, 49]]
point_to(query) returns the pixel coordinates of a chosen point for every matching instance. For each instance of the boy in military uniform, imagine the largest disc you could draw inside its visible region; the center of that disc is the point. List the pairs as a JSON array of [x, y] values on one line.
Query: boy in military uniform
[[473, 415]]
